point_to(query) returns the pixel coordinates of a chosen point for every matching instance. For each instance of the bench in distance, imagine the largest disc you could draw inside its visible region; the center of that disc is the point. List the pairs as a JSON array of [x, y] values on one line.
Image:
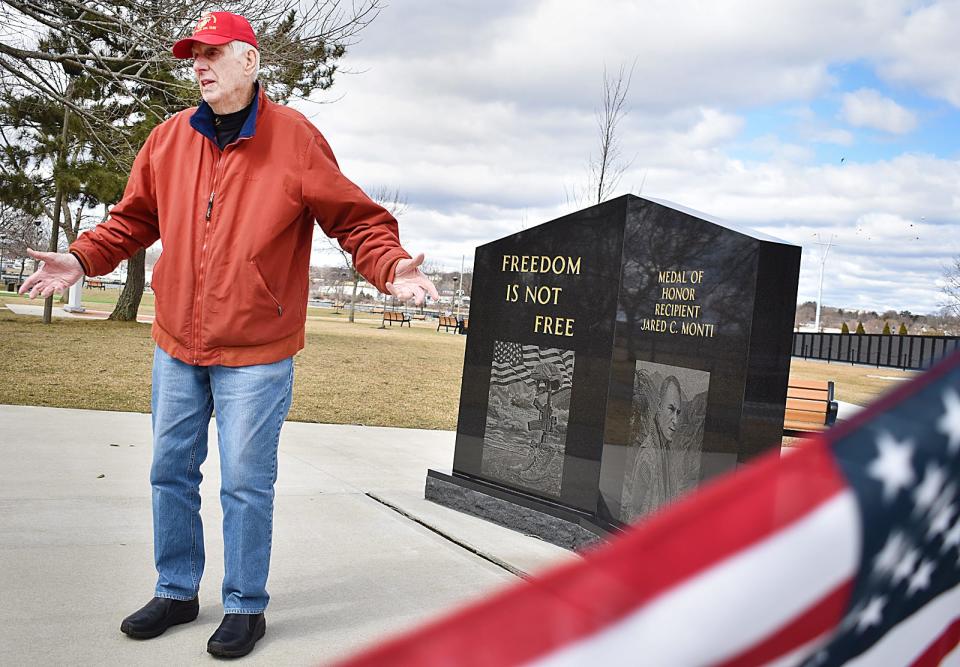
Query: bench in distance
[[392, 316], [448, 323], [810, 407]]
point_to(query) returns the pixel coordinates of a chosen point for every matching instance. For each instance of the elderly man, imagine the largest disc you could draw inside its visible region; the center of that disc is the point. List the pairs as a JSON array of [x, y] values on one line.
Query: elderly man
[[232, 189]]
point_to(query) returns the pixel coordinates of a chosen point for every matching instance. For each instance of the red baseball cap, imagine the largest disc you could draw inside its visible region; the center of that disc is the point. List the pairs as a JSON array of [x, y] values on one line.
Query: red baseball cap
[[216, 28]]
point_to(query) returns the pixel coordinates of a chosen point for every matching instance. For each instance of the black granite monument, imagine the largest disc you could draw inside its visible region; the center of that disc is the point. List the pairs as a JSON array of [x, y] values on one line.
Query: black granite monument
[[617, 357]]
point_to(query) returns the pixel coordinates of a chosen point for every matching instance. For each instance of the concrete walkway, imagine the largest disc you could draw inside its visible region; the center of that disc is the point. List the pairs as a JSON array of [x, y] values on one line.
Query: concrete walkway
[[847, 410], [348, 567]]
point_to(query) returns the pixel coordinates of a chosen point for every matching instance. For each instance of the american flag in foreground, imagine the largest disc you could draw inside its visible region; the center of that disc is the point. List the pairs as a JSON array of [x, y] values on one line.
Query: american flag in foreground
[[846, 551]]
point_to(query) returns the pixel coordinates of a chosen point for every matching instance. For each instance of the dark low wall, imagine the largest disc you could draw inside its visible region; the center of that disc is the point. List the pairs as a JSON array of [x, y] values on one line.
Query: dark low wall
[[907, 352]]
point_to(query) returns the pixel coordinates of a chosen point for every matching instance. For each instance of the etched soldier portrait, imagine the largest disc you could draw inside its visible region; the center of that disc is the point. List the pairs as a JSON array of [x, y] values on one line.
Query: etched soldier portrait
[[528, 409], [666, 436]]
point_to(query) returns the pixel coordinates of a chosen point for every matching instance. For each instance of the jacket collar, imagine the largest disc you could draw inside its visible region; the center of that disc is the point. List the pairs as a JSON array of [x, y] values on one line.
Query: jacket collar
[[202, 118]]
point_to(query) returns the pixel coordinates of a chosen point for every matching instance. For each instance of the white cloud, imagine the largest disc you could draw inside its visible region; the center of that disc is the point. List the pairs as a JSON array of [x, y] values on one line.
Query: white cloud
[[923, 51], [552, 52], [868, 108], [833, 135], [483, 115], [713, 128], [812, 128], [777, 150]]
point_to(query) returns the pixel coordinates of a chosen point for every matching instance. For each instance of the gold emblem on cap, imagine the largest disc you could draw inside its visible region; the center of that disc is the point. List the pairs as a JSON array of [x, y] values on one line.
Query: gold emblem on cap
[[208, 21]]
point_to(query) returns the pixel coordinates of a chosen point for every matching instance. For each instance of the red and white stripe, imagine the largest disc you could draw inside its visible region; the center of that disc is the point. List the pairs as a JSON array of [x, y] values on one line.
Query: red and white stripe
[[748, 570], [756, 568], [765, 590], [922, 639]]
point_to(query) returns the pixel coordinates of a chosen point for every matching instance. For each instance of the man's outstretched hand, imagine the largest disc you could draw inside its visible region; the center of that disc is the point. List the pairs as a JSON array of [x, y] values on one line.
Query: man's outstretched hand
[[58, 271], [409, 282]]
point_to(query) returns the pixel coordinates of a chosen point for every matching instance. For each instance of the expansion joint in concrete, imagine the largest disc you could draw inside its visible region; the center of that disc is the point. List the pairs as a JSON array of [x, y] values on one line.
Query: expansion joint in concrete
[[460, 543]]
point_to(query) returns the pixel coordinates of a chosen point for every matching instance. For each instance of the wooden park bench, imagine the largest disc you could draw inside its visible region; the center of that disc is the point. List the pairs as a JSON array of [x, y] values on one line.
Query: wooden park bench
[[810, 407], [449, 323], [96, 284], [392, 316]]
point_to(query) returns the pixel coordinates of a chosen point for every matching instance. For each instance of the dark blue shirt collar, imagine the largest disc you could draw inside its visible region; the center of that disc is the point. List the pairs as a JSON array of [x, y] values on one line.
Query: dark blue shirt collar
[[202, 118]]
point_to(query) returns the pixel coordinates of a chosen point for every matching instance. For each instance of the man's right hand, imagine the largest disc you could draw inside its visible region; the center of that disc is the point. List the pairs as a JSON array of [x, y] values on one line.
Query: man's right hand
[[58, 271]]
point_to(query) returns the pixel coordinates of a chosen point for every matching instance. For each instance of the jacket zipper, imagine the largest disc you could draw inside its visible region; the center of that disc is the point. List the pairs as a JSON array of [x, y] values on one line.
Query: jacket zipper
[[263, 281], [198, 300]]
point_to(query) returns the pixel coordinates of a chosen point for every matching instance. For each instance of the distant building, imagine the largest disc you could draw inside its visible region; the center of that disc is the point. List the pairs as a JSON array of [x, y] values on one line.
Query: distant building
[[343, 290], [810, 328]]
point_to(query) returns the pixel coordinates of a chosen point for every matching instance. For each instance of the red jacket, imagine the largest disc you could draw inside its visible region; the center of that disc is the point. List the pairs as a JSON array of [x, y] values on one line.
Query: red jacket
[[236, 227]]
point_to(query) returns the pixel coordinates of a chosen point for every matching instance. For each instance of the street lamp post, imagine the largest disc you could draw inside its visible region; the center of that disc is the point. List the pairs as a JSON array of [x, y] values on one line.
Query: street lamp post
[[3, 242], [456, 305], [460, 293], [39, 242], [823, 261], [339, 297]]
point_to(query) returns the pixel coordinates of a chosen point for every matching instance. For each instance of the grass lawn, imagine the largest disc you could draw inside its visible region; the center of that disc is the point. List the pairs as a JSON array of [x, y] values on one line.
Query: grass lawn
[[853, 384], [105, 299], [348, 373]]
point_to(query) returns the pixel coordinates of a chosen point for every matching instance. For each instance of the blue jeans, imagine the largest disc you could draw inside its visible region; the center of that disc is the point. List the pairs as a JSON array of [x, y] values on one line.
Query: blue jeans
[[251, 403]]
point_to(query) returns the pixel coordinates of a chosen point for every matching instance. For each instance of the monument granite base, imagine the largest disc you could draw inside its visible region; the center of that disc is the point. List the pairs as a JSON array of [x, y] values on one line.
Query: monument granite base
[[526, 514]]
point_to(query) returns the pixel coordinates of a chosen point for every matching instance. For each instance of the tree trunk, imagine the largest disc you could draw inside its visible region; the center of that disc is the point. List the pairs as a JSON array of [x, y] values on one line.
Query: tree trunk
[[353, 297], [129, 301], [55, 227], [67, 225]]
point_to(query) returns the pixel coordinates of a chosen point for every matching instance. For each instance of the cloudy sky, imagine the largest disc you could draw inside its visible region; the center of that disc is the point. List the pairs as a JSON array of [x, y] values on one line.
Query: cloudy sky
[[805, 119]]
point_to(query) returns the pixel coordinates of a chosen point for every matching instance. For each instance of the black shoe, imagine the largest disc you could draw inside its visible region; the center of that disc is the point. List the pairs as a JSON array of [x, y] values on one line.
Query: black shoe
[[153, 619], [236, 635]]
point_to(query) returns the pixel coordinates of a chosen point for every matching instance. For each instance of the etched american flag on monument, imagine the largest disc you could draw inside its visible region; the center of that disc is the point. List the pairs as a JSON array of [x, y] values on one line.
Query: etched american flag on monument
[[512, 362], [845, 551]]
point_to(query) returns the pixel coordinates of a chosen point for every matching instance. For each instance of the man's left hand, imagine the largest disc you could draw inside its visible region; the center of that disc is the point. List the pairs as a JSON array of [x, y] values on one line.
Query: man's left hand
[[409, 282]]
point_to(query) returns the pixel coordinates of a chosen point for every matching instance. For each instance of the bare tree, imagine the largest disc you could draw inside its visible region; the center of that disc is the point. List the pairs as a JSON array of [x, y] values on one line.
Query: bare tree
[[392, 200], [18, 231], [396, 205], [606, 168], [127, 43], [951, 288], [432, 270], [105, 68]]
